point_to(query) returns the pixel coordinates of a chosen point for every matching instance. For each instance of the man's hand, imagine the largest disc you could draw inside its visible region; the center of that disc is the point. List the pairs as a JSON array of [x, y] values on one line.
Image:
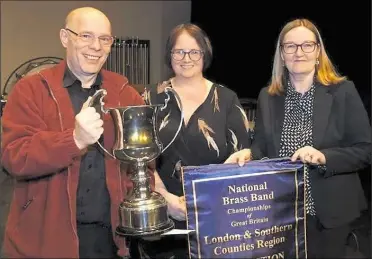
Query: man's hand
[[88, 126]]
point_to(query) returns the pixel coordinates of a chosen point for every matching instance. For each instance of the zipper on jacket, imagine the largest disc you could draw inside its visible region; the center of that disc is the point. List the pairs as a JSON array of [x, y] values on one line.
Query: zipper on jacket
[[55, 100], [28, 203], [69, 172]]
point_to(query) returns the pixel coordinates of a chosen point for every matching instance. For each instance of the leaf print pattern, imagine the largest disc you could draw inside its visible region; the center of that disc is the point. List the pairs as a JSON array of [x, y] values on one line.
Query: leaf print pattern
[[146, 96], [234, 141], [215, 99], [206, 130], [177, 170], [245, 119], [205, 140], [163, 85], [251, 124], [164, 121]]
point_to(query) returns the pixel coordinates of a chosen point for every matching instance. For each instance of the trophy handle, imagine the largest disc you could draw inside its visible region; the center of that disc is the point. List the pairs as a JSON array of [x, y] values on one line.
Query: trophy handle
[[166, 90], [97, 102]]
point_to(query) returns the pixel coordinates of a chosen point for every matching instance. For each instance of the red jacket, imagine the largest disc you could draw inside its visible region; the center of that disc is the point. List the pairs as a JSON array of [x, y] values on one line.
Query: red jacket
[[39, 151]]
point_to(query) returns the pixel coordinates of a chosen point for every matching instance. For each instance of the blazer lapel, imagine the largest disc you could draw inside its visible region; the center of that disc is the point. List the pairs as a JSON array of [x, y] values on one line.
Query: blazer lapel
[[277, 113], [322, 107]]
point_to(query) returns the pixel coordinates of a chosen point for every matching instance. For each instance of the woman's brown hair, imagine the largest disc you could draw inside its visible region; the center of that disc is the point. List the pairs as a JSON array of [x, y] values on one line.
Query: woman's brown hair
[[198, 34]]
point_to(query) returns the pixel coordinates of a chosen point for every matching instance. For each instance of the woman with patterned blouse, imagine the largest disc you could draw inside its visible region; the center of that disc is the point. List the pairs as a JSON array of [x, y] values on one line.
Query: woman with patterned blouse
[[215, 126], [310, 112]]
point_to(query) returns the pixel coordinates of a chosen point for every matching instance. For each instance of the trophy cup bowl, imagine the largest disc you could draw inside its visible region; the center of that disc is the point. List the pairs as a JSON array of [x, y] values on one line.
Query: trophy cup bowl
[[143, 212]]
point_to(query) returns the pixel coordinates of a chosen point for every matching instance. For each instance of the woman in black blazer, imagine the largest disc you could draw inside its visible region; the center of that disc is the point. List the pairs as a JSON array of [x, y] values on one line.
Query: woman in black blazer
[[310, 112]]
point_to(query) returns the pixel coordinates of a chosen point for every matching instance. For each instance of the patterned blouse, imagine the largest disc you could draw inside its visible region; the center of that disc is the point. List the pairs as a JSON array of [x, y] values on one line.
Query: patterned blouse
[[297, 131], [218, 128]]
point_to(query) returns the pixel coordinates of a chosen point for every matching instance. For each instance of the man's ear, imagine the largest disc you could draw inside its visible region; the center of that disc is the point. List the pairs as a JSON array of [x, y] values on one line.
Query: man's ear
[[63, 37]]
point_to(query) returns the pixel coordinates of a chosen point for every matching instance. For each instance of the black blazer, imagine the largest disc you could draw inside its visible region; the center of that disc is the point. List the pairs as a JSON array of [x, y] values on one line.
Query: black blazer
[[341, 132]]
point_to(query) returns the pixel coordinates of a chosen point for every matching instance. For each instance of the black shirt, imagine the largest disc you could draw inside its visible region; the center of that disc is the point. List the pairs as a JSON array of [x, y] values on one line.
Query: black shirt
[[218, 128], [93, 200]]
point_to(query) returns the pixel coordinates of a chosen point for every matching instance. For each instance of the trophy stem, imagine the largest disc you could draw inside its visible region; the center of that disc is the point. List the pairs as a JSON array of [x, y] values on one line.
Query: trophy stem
[[141, 182], [143, 212]]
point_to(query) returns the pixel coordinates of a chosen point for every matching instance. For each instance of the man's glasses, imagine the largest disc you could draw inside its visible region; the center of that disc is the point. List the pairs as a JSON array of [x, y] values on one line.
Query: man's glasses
[[89, 38], [194, 54], [307, 47]]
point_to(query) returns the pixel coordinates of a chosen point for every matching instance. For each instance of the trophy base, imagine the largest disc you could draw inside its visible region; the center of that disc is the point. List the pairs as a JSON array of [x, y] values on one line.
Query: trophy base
[[132, 232], [144, 217]]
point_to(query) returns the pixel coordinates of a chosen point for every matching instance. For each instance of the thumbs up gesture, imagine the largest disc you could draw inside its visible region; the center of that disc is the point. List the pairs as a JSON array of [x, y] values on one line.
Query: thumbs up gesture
[[88, 126]]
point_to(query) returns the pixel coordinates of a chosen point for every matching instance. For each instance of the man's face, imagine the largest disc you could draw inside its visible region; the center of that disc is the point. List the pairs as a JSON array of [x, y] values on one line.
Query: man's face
[[88, 50]]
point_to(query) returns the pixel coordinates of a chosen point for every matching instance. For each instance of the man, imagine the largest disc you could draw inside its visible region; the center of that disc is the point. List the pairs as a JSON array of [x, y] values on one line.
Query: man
[[67, 192]]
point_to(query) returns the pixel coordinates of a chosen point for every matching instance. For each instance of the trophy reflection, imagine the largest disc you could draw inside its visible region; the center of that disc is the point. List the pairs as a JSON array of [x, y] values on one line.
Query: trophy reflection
[[143, 212]]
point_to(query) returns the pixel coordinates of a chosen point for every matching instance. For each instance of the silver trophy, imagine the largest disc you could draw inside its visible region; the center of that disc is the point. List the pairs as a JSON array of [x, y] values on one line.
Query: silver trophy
[[143, 212]]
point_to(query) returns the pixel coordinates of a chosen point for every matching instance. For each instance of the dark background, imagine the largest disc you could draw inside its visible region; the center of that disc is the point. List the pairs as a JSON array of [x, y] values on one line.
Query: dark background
[[244, 39], [244, 34]]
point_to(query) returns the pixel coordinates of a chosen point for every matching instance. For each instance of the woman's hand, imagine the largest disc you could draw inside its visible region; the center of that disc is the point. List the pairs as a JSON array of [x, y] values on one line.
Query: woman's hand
[[309, 155], [240, 157], [176, 206]]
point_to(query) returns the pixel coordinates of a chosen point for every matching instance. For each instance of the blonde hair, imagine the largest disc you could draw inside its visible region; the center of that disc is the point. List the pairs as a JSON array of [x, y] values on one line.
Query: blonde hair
[[326, 72]]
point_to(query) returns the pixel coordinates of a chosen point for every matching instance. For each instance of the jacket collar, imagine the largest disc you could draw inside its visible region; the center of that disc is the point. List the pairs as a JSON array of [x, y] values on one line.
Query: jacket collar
[[112, 82], [53, 78], [69, 79]]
